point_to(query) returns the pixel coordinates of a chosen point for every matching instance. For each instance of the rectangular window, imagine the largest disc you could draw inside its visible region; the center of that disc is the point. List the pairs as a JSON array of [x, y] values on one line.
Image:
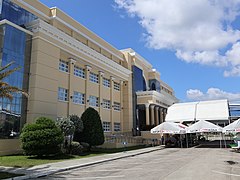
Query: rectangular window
[[117, 86], [93, 77], [106, 82], [93, 101], [106, 126], [63, 66], [78, 98], [62, 94], [79, 72], [117, 127], [106, 104], [117, 106]]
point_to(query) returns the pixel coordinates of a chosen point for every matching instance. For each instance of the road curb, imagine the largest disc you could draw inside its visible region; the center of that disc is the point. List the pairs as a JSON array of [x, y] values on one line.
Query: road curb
[[43, 174]]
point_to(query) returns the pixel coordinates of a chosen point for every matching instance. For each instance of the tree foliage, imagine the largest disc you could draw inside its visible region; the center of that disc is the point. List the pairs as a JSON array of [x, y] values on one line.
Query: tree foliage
[[66, 125], [6, 90], [78, 127], [41, 138], [77, 122], [93, 131]]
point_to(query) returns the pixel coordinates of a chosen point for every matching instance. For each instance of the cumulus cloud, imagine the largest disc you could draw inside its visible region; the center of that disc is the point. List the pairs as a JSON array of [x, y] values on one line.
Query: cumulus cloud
[[198, 31], [211, 94]]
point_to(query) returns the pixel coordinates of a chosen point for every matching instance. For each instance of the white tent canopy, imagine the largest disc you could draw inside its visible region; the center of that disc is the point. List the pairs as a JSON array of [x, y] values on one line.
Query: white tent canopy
[[203, 126], [169, 128], [216, 110], [233, 127]]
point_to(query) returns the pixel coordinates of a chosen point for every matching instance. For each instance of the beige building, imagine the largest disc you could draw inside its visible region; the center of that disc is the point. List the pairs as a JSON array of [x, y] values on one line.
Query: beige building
[[67, 68]]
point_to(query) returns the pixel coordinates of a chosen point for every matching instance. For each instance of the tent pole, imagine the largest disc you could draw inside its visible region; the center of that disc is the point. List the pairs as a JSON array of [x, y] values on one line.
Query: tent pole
[[221, 140]]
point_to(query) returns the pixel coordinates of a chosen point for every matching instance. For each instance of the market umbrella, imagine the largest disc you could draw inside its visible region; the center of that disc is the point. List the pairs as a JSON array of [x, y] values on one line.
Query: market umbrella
[[233, 127], [169, 128], [203, 126]]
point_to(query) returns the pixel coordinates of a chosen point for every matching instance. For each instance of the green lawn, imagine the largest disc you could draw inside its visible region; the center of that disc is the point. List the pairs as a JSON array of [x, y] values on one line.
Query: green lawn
[[26, 161], [5, 175]]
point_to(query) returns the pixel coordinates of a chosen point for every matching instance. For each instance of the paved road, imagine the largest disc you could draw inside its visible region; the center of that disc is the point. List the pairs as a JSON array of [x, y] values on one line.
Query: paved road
[[167, 164]]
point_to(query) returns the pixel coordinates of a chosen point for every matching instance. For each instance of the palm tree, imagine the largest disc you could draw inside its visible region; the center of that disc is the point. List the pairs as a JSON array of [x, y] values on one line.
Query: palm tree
[[6, 91]]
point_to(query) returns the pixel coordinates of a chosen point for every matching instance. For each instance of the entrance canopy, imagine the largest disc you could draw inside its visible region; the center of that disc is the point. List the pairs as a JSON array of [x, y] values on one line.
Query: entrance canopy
[[216, 110]]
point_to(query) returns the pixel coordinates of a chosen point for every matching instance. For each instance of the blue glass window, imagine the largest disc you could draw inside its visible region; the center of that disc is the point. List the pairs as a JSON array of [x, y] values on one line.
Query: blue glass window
[[16, 14], [138, 79], [15, 47]]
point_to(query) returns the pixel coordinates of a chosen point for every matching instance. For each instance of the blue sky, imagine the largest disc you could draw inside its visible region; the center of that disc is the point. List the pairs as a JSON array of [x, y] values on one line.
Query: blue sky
[[194, 44]]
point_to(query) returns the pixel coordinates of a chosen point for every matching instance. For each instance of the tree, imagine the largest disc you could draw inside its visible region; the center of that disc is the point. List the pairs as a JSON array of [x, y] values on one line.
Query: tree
[[6, 90], [77, 122], [66, 125], [68, 129], [93, 131], [41, 138], [78, 127]]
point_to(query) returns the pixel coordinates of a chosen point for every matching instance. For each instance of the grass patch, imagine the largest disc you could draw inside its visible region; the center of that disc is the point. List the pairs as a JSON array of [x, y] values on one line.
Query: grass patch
[[5, 175], [30, 161]]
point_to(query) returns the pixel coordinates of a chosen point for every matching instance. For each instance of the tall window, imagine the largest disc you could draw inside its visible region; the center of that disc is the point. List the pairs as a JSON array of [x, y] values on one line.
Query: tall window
[[117, 106], [93, 101], [78, 98], [93, 77], [79, 72], [106, 82], [117, 86], [106, 104], [63, 66], [106, 126], [117, 127], [62, 94]]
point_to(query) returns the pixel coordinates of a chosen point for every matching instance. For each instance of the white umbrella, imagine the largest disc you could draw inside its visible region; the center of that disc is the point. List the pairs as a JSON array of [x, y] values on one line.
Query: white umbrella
[[203, 126], [169, 128], [233, 127]]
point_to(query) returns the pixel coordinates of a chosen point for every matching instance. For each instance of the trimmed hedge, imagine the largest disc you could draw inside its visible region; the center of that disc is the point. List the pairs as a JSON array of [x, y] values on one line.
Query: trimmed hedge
[[41, 138]]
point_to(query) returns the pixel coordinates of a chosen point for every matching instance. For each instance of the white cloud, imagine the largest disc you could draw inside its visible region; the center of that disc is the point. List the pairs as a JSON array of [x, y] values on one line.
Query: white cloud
[[211, 94], [196, 30]]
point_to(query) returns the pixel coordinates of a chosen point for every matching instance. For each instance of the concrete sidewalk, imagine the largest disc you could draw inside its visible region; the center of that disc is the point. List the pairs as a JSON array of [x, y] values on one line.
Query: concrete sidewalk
[[47, 169]]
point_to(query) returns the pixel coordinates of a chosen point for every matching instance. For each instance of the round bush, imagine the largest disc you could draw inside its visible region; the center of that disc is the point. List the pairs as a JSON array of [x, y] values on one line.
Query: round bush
[[41, 138], [77, 148]]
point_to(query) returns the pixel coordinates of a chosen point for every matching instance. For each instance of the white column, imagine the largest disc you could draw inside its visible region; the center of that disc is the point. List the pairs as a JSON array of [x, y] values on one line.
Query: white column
[[152, 114], [156, 116], [147, 114]]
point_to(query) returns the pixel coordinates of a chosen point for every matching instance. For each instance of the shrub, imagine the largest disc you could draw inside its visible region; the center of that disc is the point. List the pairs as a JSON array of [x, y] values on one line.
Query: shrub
[[78, 127], [93, 131], [41, 138], [77, 148], [77, 123], [66, 125]]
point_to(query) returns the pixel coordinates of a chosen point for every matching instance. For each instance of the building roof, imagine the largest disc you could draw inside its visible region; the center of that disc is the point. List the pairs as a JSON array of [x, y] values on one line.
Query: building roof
[[216, 110]]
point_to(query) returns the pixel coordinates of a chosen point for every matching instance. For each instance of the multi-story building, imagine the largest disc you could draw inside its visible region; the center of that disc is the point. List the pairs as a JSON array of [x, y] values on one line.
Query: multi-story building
[[66, 68]]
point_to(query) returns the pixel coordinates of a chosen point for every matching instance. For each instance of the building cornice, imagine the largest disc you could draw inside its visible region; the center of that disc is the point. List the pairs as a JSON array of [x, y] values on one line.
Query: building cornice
[[71, 27], [5, 21], [53, 32], [164, 98]]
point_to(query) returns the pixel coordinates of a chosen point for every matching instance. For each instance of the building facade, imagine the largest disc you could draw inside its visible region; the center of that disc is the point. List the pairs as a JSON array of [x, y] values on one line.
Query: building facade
[[66, 68]]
